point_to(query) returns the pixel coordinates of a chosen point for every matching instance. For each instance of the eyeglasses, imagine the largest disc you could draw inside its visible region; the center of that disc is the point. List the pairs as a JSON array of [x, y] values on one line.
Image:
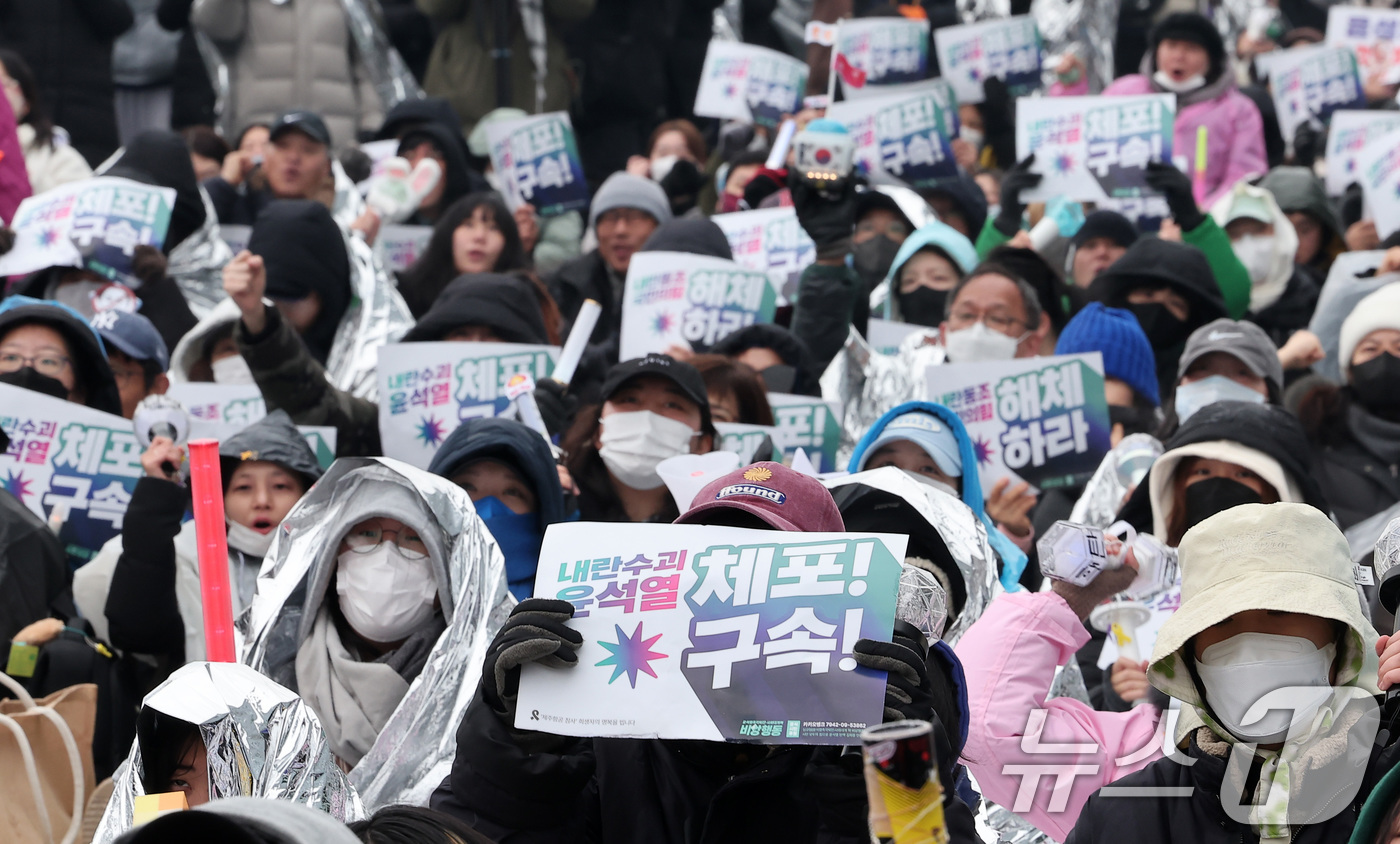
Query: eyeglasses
[[126, 376], [45, 363], [366, 540], [996, 322]]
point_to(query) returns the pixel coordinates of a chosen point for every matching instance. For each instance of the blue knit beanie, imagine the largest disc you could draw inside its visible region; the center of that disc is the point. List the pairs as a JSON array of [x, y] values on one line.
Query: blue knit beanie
[[1116, 334]]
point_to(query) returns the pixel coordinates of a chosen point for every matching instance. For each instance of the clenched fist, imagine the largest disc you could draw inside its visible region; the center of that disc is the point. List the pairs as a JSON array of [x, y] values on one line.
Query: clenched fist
[[245, 279]]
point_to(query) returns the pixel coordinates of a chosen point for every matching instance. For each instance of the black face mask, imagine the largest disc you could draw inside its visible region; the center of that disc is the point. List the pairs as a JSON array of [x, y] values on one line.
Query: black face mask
[[1133, 420], [1214, 495], [29, 378], [873, 259], [1377, 384], [922, 305], [1162, 328], [779, 378]]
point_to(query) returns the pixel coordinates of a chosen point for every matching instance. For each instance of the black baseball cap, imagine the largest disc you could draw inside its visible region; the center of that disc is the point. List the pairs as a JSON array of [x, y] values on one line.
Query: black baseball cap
[[307, 122], [683, 375]]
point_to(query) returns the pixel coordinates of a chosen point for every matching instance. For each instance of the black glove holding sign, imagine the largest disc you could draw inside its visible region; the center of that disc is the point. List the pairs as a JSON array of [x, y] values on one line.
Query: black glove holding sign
[[908, 689], [1176, 187], [537, 631]]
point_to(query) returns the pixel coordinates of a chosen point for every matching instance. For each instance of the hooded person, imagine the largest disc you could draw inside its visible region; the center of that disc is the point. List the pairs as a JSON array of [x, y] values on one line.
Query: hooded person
[[885, 216], [960, 203], [379, 596], [142, 590], [507, 781], [308, 270], [217, 730], [1186, 57], [510, 474], [929, 441], [48, 347], [1302, 197], [1354, 429], [1282, 296], [1269, 620], [776, 354], [928, 265], [430, 139]]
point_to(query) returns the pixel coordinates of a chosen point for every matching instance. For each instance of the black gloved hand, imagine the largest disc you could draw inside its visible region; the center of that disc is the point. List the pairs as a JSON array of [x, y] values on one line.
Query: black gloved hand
[[828, 217], [1306, 140], [682, 186], [908, 691], [557, 407], [998, 110], [535, 632], [764, 184], [1176, 187], [1017, 179]]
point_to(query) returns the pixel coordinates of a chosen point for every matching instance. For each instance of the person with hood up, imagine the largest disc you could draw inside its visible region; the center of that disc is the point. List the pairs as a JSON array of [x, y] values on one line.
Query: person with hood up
[[1186, 57], [48, 347], [510, 474], [928, 441], [929, 264], [1268, 603], [431, 140], [1101, 241], [1282, 296], [885, 217], [1301, 196], [217, 730], [781, 360], [1354, 429], [477, 234], [508, 782], [141, 592]]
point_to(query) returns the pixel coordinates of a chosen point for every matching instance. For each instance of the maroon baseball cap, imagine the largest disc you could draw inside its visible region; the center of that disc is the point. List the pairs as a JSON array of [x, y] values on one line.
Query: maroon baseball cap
[[773, 493]]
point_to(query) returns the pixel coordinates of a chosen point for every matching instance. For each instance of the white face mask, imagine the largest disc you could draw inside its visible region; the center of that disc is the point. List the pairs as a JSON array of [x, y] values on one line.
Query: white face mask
[[249, 541], [1256, 252], [661, 166], [1244, 668], [1196, 395], [975, 137], [979, 343], [634, 442], [385, 596], [1166, 82], [232, 370]]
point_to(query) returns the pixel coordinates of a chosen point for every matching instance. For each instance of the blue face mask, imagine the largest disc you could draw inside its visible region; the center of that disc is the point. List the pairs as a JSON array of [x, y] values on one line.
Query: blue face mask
[[1196, 395], [519, 537]]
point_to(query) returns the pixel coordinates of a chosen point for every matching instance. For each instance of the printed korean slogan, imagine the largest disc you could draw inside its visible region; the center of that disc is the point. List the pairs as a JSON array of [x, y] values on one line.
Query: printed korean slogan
[[696, 632], [870, 52], [1349, 133], [810, 423], [218, 411], [538, 159], [64, 455], [400, 247], [970, 54], [906, 136], [750, 84], [680, 299], [95, 224], [1094, 148], [1313, 82], [1042, 420], [769, 240], [427, 389], [744, 440], [1372, 34], [1378, 170]]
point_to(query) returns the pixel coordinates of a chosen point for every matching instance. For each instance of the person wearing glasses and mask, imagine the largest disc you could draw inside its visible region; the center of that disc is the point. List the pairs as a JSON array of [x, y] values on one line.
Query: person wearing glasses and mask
[[993, 314], [47, 347]]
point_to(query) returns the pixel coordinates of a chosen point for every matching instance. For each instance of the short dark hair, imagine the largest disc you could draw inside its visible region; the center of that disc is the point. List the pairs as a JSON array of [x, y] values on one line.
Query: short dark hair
[[1029, 300], [206, 143], [724, 375], [415, 825]]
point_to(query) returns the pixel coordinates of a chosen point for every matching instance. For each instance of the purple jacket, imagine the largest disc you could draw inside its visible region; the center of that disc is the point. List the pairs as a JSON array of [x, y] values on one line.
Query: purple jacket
[[14, 179], [1234, 135]]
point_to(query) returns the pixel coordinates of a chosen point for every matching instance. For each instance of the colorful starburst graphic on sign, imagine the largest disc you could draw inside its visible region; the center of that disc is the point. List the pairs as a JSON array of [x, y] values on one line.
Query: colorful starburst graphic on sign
[[983, 449], [662, 323], [48, 237], [18, 485], [431, 430], [631, 655], [1063, 163]]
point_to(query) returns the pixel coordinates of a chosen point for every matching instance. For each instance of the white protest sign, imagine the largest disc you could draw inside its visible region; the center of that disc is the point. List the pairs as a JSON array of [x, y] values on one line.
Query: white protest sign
[[402, 246], [1042, 420], [1372, 34], [1094, 148], [810, 423], [769, 240], [235, 236], [1348, 135], [870, 52], [884, 335], [680, 299], [538, 159], [744, 439], [749, 83], [1378, 171], [1313, 82], [427, 389], [698, 632], [905, 136], [1008, 49], [218, 411]]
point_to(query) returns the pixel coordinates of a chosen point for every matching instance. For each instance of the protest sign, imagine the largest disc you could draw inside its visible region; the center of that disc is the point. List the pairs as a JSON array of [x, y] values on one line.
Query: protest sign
[[870, 52], [884, 336], [1041, 420], [427, 389], [402, 246], [744, 439], [810, 423], [95, 224], [769, 240], [1313, 82], [1094, 148], [1350, 132], [82, 461], [218, 411], [538, 159], [1008, 49], [235, 236], [749, 83], [906, 136], [1378, 171], [714, 633], [1372, 34], [680, 299]]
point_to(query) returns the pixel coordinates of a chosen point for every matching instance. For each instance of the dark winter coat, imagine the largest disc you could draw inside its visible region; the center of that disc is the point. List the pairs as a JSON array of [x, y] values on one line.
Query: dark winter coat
[[35, 581], [233, 206], [1360, 481], [1293, 310], [505, 303], [586, 277]]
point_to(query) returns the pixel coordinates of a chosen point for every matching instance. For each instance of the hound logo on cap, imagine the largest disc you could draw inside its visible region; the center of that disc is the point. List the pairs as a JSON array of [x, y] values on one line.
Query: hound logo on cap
[[752, 490]]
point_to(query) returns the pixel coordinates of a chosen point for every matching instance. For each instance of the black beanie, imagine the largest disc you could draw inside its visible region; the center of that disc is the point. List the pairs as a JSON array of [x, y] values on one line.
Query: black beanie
[[304, 253], [1197, 29], [1109, 224]]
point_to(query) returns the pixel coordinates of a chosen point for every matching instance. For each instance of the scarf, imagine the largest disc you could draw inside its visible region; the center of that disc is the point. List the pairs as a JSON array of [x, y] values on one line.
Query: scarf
[[1378, 436]]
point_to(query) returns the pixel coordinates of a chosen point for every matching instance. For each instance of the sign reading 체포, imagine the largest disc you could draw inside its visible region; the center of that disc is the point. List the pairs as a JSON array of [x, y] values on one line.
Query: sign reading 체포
[[749, 83], [538, 158], [810, 423], [715, 633], [1094, 148], [680, 299], [906, 136], [1313, 82], [970, 54]]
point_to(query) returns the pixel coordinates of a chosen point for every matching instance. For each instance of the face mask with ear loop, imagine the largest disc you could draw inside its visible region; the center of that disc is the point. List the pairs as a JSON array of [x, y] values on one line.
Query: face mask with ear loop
[[634, 442]]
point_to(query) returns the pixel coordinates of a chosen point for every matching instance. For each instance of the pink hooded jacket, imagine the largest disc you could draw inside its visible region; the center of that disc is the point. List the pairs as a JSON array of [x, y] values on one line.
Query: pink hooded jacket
[[1009, 657], [14, 179]]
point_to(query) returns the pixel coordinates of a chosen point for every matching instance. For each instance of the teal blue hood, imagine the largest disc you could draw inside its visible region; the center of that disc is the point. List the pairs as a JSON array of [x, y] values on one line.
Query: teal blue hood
[[938, 234]]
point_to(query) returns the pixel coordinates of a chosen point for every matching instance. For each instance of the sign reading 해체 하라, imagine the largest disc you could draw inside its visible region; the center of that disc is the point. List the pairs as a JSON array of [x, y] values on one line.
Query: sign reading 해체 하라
[[680, 299]]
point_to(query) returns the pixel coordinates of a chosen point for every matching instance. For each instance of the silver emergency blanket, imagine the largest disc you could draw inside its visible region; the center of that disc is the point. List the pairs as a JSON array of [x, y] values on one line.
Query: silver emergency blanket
[[392, 79], [961, 530], [1083, 27], [377, 315], [867, 383], [261, 740], [1351, 279], [1069, 682], [999, 825], [197, 263], [415, 749], [1122, 469]]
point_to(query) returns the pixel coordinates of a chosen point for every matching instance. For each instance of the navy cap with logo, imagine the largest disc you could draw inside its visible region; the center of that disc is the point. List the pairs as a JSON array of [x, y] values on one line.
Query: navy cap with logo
[[308, 123], [686, 378], [778, 496], [134, 335]]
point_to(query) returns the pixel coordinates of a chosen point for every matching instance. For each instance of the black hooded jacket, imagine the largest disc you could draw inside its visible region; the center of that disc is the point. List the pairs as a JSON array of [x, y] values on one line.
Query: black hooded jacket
[[698, 237], [506, 304], [35, 581], [459, 179], [162, 158], [514, 444], [89, 355], [304, 252], [782, 342]]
